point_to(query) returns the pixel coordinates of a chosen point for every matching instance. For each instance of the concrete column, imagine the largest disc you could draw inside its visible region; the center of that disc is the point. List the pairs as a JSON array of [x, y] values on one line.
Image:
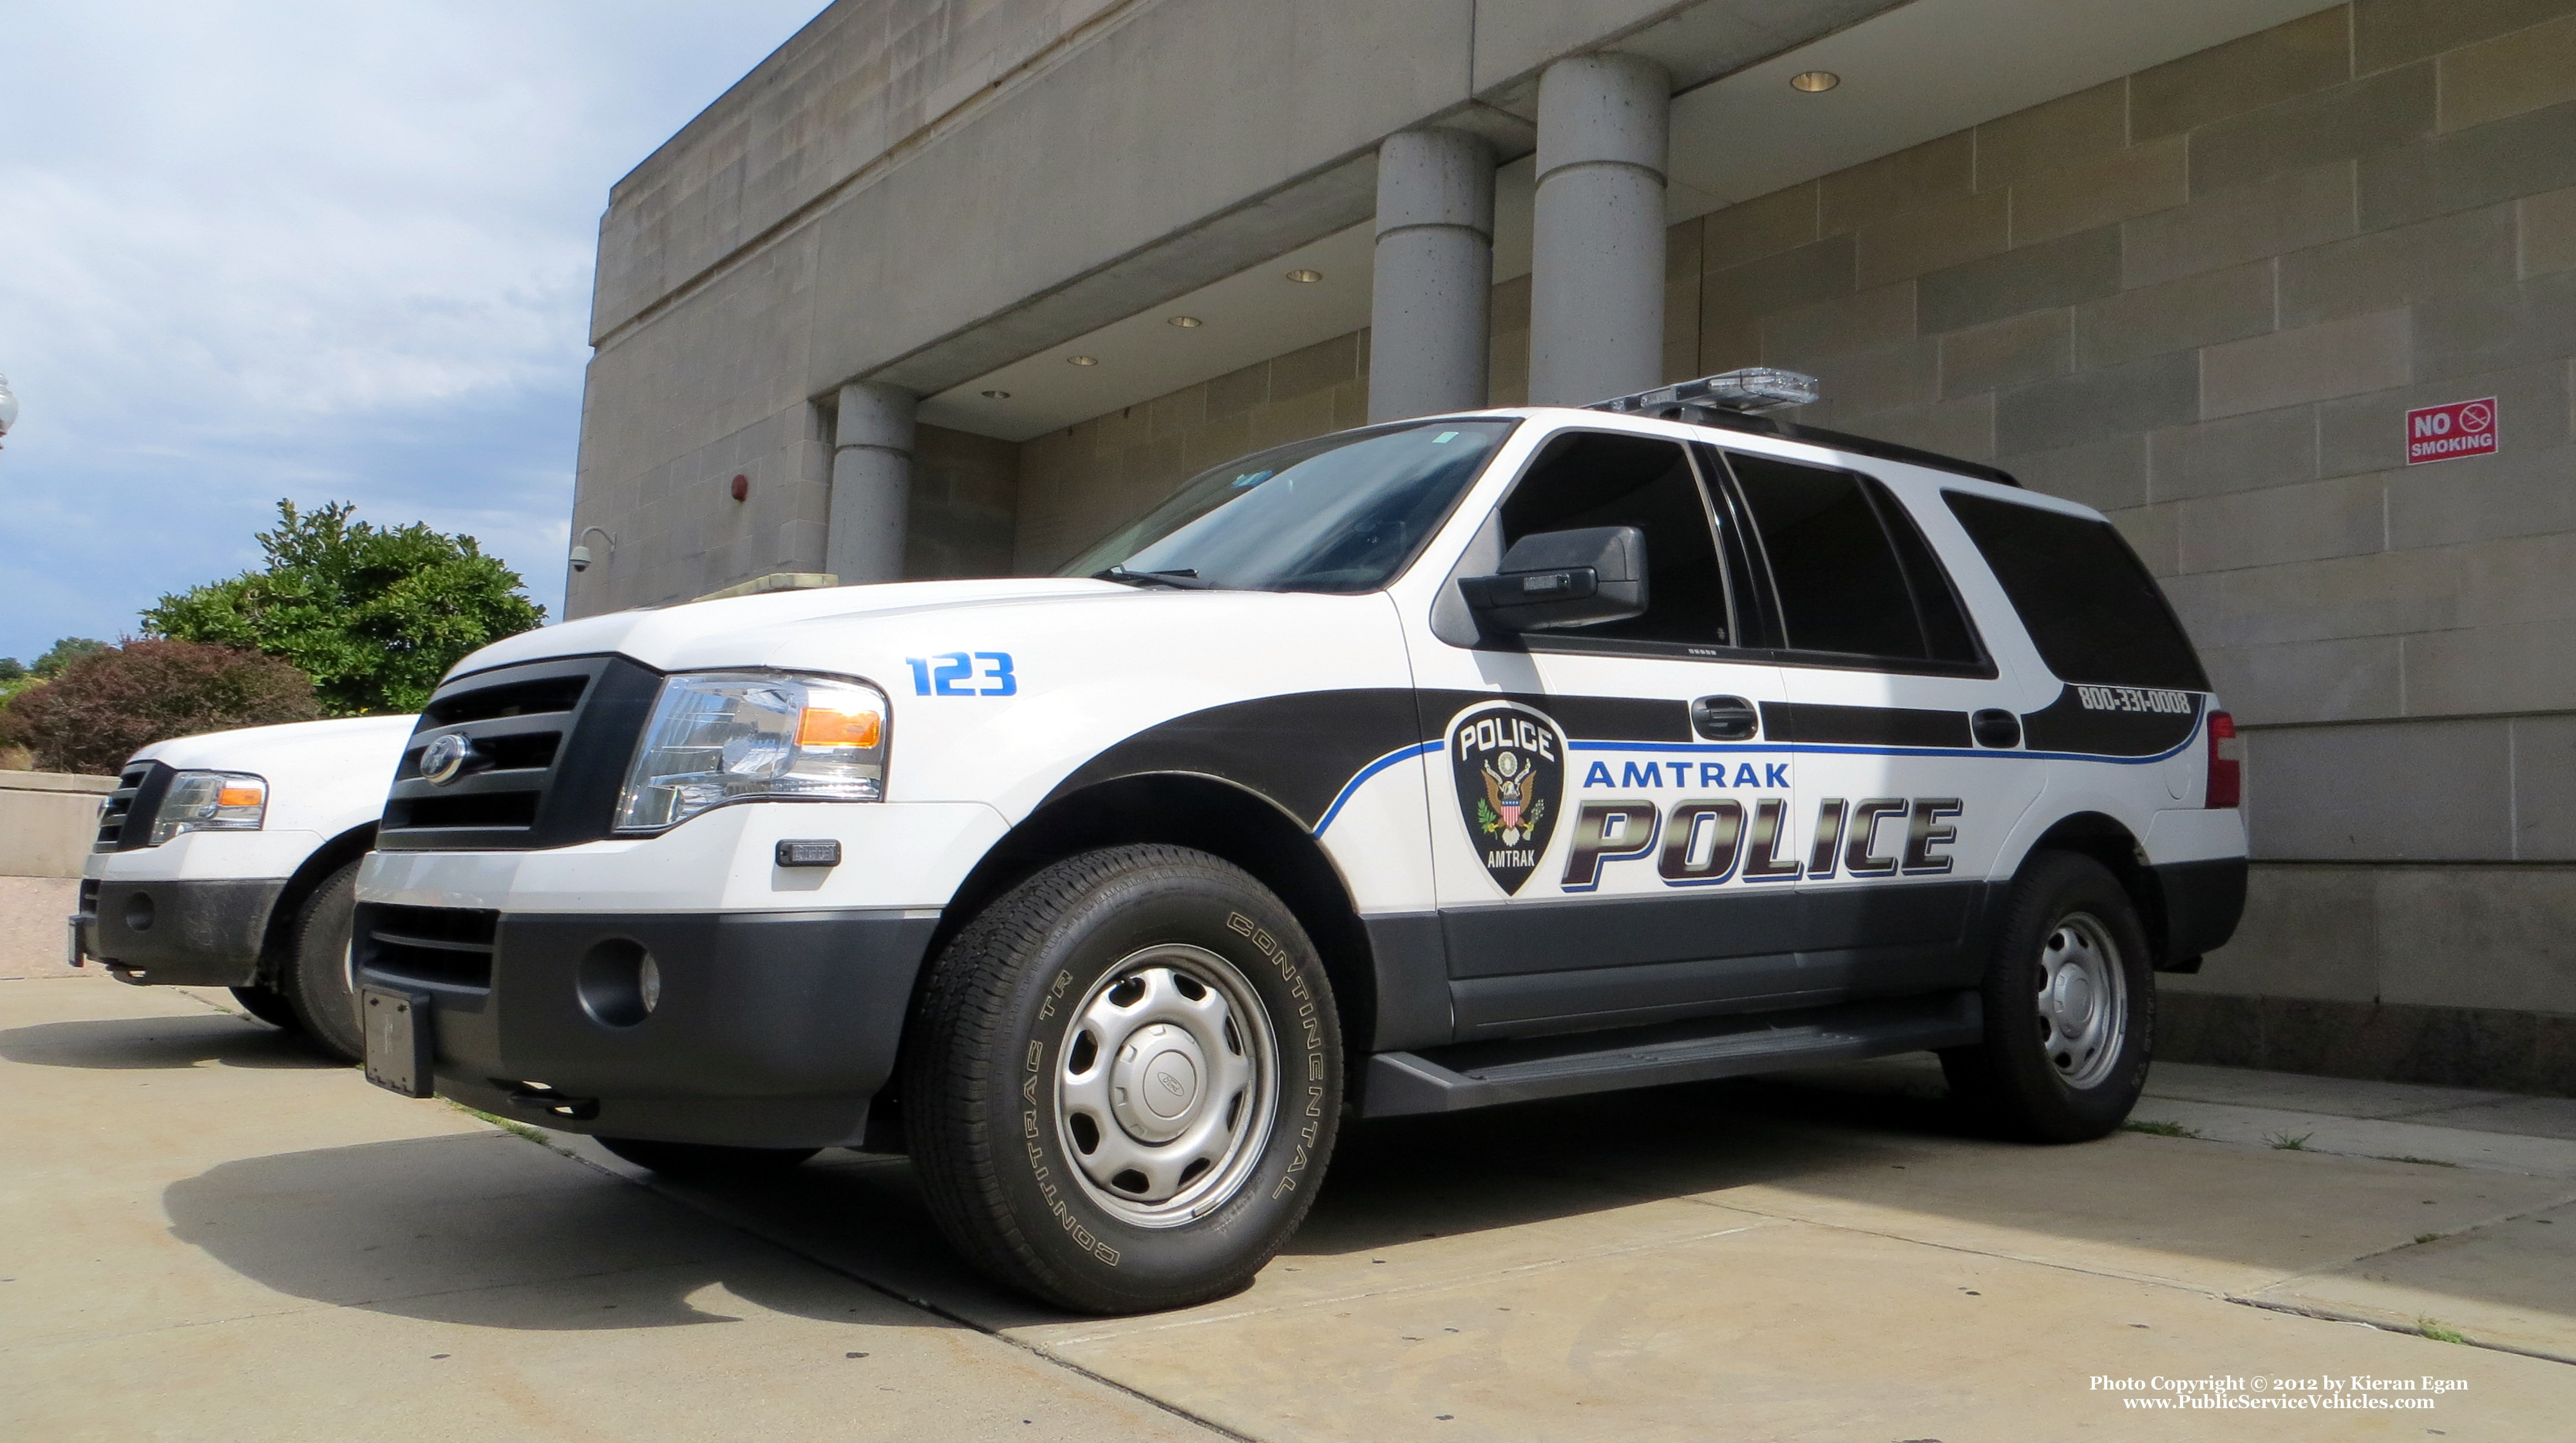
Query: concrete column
[[871, 480], [1432, 302], [1597, 257]]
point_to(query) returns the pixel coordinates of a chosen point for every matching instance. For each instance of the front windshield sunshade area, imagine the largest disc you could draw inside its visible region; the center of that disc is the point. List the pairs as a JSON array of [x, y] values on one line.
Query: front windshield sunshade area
[[1341, 513]]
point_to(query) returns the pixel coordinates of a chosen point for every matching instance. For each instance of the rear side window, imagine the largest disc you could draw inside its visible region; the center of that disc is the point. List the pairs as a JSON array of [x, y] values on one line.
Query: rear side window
[[2092, 609], [1852, 575]]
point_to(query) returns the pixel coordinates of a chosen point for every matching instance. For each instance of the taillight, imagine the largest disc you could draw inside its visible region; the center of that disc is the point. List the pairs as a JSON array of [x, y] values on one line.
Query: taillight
[[2226, 762]]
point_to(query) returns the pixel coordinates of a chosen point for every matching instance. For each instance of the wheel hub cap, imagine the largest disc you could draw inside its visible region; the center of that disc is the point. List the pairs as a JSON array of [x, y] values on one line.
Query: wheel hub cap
[[1165, 1085], [2083, 1001]]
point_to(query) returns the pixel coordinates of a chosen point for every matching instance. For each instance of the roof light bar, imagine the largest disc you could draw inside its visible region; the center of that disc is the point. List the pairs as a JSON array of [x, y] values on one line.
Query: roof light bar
[[1751, 391]]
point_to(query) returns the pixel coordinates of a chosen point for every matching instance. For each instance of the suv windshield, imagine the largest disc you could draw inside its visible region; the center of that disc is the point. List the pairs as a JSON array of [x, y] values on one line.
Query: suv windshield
[[1340, 513]]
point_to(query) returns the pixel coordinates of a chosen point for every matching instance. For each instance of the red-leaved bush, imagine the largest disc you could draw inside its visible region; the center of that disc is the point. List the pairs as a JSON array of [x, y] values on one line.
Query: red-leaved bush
[[107, 704]]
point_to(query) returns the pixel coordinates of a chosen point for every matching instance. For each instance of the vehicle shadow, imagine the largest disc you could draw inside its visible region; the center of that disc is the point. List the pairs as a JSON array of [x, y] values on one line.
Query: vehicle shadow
[[151, 1042], [490, 1231]]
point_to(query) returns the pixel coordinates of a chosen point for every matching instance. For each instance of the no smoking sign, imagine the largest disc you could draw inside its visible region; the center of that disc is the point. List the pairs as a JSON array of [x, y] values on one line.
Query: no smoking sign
[[2444, 433]]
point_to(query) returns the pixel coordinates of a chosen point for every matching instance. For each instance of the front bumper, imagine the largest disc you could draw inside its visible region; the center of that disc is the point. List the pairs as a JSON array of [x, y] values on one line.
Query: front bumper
[[772, 1029], [199, 932]]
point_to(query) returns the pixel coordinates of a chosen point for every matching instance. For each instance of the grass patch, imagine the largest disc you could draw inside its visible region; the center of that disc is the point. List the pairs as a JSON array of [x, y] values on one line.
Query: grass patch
[[2159, 1129], [2284, 1142], [2418, 1161], [2439, 1334]]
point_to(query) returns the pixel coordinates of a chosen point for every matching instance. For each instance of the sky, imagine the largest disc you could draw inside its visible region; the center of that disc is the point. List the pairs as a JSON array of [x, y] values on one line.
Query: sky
[[319, 251]]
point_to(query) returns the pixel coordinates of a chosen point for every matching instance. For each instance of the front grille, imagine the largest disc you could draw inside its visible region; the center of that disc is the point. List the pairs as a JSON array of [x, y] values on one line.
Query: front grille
[[440, 946], [125, 823], [551, 741]]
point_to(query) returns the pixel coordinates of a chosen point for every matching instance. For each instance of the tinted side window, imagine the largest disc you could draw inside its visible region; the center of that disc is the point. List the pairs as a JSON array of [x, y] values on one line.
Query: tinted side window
[[1592, 478], [2091, 608], [1851, 573]]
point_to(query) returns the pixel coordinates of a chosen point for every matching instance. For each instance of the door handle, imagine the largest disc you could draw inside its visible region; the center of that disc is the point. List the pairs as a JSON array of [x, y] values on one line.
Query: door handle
[[1725, 718]]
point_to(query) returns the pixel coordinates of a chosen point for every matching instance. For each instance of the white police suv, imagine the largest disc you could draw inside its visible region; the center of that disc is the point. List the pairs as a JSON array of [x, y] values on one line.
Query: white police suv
[[230, 859], [1426, 766]]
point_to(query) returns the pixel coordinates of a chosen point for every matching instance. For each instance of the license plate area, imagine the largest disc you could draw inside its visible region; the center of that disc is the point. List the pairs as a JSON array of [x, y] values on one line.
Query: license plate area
[[400, 1039]]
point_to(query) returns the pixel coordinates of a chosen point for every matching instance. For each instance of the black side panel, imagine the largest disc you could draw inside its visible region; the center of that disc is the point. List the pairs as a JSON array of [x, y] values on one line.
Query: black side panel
[[1863, 726], [2113, 721], [2203, 902], [1412, 980], [1298, 750], [1911, 937], [1558, 966], [1620, 932]]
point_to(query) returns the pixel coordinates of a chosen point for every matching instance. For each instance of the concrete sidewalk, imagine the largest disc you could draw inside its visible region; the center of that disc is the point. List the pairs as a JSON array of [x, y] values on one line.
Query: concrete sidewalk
[[216, 1237]]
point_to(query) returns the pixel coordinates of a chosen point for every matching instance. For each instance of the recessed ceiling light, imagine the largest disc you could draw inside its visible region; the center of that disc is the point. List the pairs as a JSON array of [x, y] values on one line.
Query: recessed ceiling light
[[1305, 277], [1188, 323], [1814, 82], [997, 395], [1082, 360]]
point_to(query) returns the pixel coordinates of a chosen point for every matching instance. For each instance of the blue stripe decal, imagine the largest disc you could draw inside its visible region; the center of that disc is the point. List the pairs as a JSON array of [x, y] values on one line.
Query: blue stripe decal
[[1817, 748], [1859, 751], [1366, 772]]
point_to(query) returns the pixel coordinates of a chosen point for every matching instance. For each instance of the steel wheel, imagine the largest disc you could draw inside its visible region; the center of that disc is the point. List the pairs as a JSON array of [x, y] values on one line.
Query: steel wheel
[[2083, 1000], [1164, 1092]]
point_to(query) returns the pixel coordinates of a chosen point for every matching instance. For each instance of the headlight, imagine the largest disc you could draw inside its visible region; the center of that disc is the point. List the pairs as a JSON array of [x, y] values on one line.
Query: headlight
[[210, 802], [718, 737]]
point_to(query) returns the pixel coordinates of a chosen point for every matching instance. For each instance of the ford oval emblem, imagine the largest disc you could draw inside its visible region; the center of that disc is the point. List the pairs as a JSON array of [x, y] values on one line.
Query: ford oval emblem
[[444, 758]]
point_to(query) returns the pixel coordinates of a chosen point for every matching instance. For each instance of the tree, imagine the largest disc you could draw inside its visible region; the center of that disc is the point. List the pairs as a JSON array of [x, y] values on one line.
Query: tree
[[374, 615], [107, 703], [63, 653]]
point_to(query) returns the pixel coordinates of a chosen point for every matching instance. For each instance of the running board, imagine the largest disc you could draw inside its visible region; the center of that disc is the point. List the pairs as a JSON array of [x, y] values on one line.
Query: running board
[[1482, 1074]]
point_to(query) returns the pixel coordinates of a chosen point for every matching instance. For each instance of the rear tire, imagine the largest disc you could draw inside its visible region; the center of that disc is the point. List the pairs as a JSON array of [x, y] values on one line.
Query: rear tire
[[1123, 1080], [2070, 1008], [702, 1159], [267, 1006], [316, 979]]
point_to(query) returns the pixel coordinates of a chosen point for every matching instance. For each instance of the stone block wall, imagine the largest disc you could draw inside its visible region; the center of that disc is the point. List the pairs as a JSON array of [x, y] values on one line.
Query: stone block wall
[[2202, 298], [1079, 484]]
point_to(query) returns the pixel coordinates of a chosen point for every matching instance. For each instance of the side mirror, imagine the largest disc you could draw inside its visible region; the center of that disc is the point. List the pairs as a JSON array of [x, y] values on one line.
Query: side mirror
[[1563, 578]]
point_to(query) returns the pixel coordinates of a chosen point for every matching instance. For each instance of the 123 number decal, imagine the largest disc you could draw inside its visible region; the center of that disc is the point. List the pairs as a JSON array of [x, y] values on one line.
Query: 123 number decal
[[958, 673]]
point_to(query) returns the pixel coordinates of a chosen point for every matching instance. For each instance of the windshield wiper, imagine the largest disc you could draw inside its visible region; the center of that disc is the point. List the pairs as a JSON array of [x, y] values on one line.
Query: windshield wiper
[[1180, 578]]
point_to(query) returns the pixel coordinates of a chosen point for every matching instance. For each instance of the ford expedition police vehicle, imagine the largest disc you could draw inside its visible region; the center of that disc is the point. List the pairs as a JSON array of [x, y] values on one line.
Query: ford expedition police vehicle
[[231, 860], [1419, 767]]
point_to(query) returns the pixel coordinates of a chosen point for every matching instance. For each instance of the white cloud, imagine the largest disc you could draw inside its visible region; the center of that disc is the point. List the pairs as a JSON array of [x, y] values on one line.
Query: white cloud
[[315, 250]]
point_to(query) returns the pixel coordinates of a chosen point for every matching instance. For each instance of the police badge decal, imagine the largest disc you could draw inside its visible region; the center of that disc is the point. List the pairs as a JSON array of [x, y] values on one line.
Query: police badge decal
[[1509, 763]]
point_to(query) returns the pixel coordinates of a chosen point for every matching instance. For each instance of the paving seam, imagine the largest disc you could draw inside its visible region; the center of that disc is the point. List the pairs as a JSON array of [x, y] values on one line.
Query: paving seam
[[1424, 1286], [317, 1305], [2329, 1315], [761, 1232]]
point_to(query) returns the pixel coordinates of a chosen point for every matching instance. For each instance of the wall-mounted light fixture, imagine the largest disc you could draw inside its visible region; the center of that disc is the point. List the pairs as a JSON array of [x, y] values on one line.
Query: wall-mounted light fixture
[[1305, 277], [1814, 82], [1187, 323], [997, 395], [1082, 360]]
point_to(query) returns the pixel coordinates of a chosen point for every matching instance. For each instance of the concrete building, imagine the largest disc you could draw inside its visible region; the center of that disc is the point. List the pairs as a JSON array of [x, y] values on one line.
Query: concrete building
[[954, 288]]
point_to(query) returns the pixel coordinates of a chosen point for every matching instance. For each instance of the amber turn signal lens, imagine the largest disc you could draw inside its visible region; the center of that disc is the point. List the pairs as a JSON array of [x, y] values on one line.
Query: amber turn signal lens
[[241, 797], [821, 727]]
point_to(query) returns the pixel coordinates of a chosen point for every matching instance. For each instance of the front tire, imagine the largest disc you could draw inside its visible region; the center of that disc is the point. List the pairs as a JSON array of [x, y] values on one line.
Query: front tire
[[316, 980], [1123, 1080], [2070, 1007], [267, 1006]]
